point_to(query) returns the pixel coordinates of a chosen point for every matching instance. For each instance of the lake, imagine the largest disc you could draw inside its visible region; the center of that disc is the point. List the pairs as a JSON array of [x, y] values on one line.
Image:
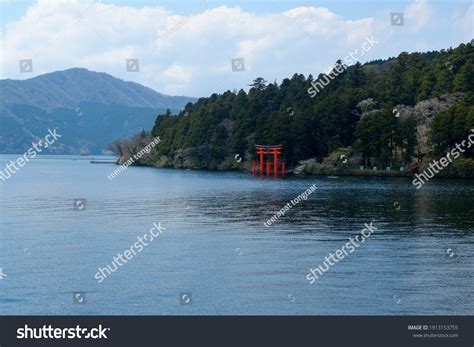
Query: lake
[[215, 251]]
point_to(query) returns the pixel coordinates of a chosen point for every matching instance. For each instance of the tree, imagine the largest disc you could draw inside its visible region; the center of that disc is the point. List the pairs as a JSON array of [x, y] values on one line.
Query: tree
[[259, 83]]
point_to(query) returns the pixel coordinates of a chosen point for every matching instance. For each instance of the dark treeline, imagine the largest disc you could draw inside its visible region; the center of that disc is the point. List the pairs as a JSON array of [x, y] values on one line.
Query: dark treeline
[[355, 109]]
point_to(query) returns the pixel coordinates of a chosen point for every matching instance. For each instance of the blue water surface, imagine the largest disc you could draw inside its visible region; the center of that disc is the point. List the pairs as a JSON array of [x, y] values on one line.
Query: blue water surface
[[216, 249]]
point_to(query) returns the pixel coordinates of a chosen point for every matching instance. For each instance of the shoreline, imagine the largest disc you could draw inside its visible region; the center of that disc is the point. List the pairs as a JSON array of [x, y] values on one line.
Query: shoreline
[[323, 173]]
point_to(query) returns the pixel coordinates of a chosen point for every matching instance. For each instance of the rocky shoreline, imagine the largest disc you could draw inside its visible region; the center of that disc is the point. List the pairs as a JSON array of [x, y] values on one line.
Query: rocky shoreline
[[311, 167]]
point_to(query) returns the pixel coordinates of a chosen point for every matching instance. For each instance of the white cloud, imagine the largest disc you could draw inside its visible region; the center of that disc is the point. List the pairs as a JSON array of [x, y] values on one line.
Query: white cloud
[[191, 55], [467, 24], [418, 15]]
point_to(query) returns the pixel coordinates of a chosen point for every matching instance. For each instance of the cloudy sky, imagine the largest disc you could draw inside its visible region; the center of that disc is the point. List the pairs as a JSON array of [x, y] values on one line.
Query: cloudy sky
[[186, 47]]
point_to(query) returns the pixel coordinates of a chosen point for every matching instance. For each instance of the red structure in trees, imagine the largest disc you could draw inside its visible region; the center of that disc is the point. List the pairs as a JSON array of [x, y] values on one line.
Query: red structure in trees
[[268, 165]]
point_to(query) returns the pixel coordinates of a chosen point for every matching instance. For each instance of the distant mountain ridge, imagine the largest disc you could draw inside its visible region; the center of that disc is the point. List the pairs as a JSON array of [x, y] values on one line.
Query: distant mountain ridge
[[69, 87], [84, 103]]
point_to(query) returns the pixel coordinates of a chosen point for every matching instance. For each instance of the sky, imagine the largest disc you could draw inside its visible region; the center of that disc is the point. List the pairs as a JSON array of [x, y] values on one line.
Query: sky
[[188, 47]]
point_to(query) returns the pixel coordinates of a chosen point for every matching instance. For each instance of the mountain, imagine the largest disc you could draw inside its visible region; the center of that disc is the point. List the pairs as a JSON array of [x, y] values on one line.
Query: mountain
[[90, 109], [384, 113]]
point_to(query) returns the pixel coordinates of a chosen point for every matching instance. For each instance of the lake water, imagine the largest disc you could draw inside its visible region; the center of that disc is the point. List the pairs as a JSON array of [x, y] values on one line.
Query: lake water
[[216, 249]]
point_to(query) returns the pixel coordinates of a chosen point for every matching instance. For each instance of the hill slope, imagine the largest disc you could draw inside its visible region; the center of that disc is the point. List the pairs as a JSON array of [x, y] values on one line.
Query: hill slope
[[89, 108], [355, 110]]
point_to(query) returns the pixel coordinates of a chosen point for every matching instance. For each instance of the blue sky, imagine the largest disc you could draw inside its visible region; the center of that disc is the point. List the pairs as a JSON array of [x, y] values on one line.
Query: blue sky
[[186, 47], [350, 9], [13, 9]]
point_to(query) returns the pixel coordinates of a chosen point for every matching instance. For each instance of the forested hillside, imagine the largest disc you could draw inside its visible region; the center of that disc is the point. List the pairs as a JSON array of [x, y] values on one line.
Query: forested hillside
[[89, 108], [382, 113]]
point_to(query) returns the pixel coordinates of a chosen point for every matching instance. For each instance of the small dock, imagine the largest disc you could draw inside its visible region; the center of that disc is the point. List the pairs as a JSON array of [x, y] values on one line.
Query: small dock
[[102, 161]]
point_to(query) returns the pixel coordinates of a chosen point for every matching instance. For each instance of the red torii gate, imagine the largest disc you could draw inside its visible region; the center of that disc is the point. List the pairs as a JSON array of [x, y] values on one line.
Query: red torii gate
[[272, 150]]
